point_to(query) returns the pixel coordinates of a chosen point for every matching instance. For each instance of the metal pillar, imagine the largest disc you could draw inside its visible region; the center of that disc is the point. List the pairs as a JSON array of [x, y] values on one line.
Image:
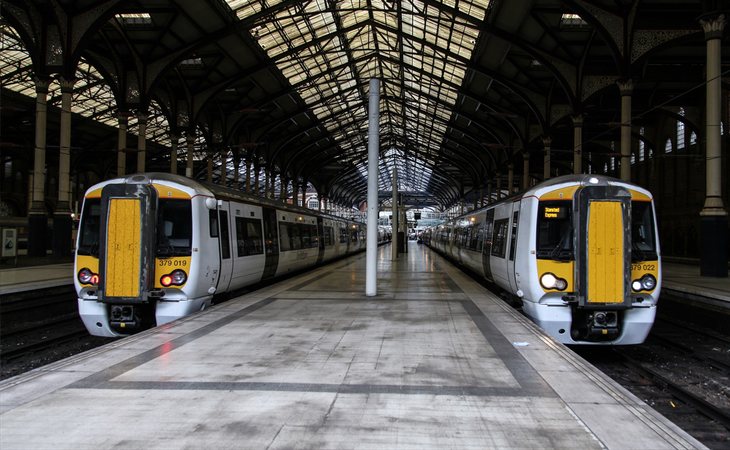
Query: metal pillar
[[223, 181], [173, 152], [525, 171], [123, 119], [510, 179], [37, 216], [578, 144], [190, 141], [371, 257], [546, 142], [713, 217], [625, 87], [141, 141], [394, 224], [62, 215]]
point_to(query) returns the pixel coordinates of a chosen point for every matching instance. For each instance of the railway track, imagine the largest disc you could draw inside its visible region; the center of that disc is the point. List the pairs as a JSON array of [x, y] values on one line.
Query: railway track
[[682, 371]]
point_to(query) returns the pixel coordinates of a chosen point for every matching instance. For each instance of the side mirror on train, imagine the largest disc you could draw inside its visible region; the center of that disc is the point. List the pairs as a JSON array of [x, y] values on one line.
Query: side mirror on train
[[210, 203]]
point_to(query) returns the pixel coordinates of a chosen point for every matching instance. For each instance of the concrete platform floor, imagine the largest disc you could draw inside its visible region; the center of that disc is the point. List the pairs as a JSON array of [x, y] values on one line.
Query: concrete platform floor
[[434, 361]]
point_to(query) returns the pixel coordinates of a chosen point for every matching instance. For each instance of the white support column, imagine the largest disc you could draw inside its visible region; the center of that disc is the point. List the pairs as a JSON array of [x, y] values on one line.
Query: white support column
[[394, 211], [625, 88], [371, 257]]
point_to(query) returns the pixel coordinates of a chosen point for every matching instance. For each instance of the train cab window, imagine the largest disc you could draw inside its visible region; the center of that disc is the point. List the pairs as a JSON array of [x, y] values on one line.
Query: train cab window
[[499, 238], [90, 228], [555, 231], [249, 239], [343, 235], [174, 228], [643, 242]]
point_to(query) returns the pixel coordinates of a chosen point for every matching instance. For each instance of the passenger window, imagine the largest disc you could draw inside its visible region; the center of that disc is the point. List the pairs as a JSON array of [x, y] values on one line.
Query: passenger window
[[249, 239], [499, 237]]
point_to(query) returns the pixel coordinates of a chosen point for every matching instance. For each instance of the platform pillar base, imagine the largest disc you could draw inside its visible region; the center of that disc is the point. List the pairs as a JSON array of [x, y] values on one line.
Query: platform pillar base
[[37, 232], [714, 243]]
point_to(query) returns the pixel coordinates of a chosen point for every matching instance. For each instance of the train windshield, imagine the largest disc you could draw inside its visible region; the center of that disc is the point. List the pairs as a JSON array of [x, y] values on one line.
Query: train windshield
[[174, 228], [90, 228], [643, 239], [555, 230]]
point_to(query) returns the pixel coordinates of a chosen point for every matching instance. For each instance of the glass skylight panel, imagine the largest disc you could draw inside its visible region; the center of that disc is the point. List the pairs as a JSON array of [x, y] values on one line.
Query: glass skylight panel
[[404, 40]]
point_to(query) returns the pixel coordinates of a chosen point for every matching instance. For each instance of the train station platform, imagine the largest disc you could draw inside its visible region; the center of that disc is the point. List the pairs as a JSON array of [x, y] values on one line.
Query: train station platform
[[433, 361]]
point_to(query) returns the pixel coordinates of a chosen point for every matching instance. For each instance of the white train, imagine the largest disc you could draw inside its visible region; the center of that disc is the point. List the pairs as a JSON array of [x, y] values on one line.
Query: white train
[[155, 247], [579, 252]]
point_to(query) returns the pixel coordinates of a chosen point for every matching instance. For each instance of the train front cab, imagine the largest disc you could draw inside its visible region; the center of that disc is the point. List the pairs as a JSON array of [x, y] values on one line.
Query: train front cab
[[134, 256], [597, 263]]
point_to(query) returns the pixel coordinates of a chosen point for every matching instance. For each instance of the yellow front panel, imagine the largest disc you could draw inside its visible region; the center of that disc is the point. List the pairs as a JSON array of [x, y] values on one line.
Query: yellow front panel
[[605, 253], [123, 248]]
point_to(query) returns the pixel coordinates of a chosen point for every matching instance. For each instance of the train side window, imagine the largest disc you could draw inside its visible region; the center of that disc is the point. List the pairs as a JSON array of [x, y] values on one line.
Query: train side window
[[499, 237], [249, 237], [329, 236], [513, 239], [225, 239]]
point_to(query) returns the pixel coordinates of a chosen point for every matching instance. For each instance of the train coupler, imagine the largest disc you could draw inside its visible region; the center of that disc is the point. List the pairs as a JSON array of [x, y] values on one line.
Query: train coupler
[[124, 318]]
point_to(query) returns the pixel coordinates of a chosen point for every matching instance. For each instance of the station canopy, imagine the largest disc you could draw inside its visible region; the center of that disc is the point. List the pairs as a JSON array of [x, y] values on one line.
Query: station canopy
[[469, 89]]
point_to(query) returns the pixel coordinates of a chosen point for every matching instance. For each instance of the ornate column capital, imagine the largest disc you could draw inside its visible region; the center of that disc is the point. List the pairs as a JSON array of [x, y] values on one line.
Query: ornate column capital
[[41, 84], [67, 84], [625, 86], [546, 142], [577, 120], [713, 26]]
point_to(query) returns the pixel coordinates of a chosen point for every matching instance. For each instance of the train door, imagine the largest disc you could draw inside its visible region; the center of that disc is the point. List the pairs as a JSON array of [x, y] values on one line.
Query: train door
[[320, 232], [126, 243], [603, 276], [224, 240], [487, 248], [271, 242], [514, 225]]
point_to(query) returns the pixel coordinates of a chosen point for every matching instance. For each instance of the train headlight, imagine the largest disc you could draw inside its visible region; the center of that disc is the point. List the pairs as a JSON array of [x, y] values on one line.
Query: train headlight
[[550, 281], [646, 283], [176, 278], [86, 276]]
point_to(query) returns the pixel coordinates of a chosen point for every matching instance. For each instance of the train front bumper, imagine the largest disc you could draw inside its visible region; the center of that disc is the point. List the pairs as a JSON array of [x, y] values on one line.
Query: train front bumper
[[556, 320]]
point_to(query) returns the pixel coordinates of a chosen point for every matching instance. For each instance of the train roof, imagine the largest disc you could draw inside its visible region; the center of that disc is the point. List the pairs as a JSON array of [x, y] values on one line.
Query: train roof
[[213, 190]]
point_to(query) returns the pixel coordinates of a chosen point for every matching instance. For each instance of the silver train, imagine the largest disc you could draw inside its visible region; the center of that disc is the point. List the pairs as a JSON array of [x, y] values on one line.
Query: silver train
[[580, 253], [155, 247]]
